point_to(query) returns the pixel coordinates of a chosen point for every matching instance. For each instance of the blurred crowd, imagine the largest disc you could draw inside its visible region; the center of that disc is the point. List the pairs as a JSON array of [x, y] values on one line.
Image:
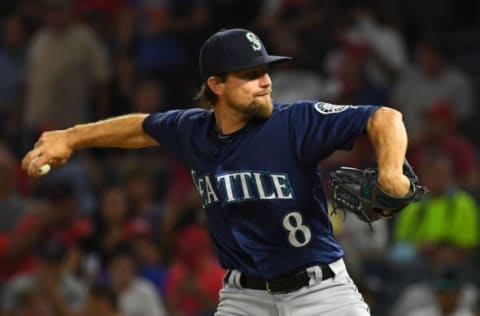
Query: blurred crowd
[[119, 232]]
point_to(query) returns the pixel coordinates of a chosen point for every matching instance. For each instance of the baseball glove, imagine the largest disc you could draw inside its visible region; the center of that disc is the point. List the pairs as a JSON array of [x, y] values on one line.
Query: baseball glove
[[357, 191]]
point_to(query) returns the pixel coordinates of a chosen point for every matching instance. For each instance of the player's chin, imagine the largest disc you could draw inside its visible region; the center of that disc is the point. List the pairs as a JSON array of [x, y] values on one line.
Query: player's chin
[[263, 108]]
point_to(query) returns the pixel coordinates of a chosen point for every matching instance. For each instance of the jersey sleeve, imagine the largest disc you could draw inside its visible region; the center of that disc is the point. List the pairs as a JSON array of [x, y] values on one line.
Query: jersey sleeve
[[321, 128], [166, 129]]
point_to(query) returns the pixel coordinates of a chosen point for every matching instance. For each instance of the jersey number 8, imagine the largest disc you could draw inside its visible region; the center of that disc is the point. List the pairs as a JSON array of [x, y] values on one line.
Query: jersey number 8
[[298, 234]]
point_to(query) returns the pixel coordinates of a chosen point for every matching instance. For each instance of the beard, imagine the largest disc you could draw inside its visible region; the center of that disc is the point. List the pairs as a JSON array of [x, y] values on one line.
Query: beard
[[261, 109]]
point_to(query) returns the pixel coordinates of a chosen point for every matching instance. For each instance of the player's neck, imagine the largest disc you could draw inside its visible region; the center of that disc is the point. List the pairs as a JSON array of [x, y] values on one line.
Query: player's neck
[[228, 120]]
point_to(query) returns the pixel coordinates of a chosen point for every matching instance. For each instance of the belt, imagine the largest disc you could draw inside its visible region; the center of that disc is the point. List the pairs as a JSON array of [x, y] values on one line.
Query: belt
[[283, 284]]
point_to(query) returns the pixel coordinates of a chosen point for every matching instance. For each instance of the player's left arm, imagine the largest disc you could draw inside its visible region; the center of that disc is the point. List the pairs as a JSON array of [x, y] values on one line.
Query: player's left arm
[[388, 135]]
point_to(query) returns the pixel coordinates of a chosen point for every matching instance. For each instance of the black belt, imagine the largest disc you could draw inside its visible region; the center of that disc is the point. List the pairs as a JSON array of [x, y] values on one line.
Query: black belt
[[284, 284]]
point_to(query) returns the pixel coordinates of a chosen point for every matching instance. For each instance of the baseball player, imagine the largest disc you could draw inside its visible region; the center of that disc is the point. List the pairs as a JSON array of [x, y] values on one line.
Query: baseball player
[[255, 165]]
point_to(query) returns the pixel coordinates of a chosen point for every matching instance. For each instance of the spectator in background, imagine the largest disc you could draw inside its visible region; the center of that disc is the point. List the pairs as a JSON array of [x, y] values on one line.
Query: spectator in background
[[17, 249], [235, 13], [123, 84], [136, 296], [190, 22], [159, 50], [108, 233], [48, 288], [445, 293], [365, 246], [148, 96], [149, 254], [12, 63], [439, 132], [195, 277], [67, 66], [301, 30], [55, 217], [29, 10], [12, 204], [348, 83], [294, 83], [76, 177], [3, 258], [371, 32], [432, 78], [31, 303], [448, 216], [107, 10], [182, 206], [101, 301], [140, 188]]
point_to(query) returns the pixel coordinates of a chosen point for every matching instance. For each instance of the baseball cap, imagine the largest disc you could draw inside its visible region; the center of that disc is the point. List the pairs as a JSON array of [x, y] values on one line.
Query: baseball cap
[[233, 50]]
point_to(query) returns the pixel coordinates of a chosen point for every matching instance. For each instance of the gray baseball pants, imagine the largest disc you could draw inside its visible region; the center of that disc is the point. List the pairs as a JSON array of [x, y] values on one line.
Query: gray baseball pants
[[337, 296]]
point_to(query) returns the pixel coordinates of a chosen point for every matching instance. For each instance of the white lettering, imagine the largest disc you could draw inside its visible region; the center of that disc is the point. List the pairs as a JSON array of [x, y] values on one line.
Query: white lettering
[[261, 190], [282, 186], [243, 179], [210, 191], [228, 186], [200, 185], [242, 186]]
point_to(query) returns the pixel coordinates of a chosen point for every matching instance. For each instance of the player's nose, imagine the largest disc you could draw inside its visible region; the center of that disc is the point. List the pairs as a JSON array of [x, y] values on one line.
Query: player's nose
[[265, 81]]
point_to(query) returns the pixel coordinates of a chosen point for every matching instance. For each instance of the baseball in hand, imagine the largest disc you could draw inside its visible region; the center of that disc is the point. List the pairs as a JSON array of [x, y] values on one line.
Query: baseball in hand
[[43, 170]]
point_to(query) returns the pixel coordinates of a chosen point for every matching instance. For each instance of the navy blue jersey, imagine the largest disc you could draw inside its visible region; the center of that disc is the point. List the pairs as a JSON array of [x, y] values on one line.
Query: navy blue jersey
[[261, 187]]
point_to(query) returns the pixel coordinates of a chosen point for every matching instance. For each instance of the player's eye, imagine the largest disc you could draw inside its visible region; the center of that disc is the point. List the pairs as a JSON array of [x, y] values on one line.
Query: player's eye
[[252, 74]]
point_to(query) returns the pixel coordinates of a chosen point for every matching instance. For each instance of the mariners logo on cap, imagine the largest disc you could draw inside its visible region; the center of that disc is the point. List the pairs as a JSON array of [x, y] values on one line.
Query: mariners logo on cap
[[254, 40]]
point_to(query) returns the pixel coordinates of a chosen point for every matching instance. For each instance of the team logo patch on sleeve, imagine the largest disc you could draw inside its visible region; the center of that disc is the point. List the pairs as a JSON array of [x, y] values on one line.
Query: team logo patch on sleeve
[[328, 108]]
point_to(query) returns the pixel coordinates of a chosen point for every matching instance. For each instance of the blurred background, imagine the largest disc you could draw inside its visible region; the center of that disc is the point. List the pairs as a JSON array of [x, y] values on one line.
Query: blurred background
[[119, 232]]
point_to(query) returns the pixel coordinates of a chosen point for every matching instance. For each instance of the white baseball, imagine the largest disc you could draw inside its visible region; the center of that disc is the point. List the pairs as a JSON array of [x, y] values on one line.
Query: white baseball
[[43, 170]]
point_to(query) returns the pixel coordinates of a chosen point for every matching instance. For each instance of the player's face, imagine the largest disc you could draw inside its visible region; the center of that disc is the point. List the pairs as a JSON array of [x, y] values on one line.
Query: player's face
[[248, 91]]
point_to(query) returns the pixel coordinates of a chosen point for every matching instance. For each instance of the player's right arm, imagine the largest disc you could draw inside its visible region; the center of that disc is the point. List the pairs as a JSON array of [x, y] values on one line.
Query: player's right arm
[[56, 147]]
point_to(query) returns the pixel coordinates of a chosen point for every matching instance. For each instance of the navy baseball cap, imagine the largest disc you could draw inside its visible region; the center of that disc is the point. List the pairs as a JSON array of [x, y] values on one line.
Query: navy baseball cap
[[233, 50]]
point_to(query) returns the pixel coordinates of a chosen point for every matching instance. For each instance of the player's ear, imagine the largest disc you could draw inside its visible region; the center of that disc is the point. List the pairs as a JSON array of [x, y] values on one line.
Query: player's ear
[[216, 84]]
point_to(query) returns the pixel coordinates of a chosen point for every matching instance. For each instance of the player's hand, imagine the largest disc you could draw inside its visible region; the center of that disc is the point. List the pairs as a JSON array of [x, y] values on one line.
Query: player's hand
[[52, 148], [394, 184]]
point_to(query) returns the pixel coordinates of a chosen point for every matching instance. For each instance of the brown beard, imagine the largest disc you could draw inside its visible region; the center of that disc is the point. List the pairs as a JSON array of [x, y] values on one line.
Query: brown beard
[[261, 110]]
